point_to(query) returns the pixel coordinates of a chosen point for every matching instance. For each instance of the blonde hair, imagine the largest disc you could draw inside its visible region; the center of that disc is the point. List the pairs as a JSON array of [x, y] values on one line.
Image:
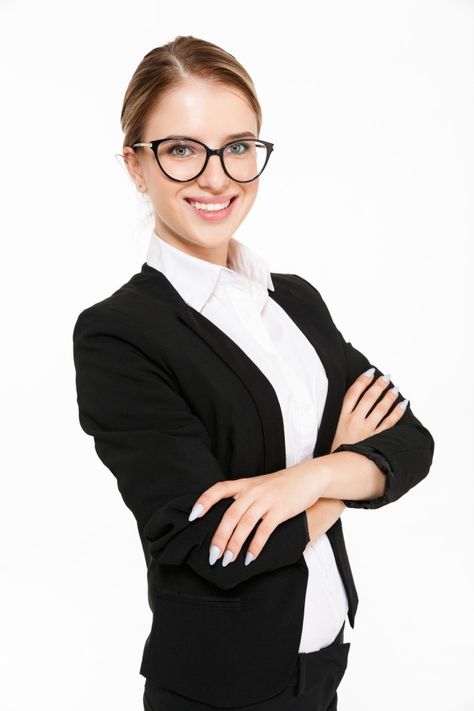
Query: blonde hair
[[168, 66]]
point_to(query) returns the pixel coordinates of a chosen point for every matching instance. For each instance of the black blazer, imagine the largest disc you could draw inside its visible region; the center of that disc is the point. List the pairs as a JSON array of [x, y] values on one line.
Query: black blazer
[[174, 405]]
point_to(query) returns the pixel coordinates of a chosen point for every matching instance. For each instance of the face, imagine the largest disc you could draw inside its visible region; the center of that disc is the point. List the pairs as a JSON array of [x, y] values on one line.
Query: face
[[209, 113]]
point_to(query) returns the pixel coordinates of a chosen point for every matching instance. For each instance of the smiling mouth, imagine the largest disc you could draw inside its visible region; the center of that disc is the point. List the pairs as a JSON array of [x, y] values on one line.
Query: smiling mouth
[[211, 206]]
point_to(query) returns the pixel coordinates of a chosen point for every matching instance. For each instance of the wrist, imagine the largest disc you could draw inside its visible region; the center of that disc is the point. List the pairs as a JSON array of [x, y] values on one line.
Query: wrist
[[322, 480], [322, 515]]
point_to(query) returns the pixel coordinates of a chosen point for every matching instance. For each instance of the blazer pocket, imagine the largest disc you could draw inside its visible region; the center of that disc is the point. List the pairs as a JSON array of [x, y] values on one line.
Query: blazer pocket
[[204, 600]]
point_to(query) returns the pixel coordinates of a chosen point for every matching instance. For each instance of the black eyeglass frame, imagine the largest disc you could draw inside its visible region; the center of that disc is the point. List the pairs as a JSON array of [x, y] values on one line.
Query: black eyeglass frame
[[209, 152]]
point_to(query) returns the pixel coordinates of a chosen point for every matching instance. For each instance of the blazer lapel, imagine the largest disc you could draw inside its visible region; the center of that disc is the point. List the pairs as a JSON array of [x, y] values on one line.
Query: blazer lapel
[[306, 318], [258, 385]]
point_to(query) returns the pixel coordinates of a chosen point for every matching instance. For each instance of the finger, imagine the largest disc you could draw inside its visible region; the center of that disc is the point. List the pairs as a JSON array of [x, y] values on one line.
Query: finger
[[382, 407], [355, 390], [373, 393], [209, 497], [391, 419], [270, 521], [220, 546]]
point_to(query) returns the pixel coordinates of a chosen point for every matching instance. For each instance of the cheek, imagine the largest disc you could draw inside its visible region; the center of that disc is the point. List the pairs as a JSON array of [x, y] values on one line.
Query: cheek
[[165, 200], [250, 194]]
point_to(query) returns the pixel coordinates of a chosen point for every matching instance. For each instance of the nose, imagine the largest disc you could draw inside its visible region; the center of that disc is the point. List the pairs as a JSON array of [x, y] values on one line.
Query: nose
[[213, 175]]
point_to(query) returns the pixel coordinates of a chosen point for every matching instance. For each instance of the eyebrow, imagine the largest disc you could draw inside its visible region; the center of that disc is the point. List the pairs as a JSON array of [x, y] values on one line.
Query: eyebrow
[[232, 137], [245, 134]]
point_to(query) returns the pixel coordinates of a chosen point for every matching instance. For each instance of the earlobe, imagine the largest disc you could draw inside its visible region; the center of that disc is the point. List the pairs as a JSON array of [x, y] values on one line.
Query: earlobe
[[133, 168]]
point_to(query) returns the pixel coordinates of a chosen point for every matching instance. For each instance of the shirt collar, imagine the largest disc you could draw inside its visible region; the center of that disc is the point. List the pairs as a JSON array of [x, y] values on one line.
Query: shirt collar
[[195, 279]]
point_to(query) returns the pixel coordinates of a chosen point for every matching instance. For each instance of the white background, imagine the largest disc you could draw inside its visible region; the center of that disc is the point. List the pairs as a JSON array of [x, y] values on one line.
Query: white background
[[368, 194]]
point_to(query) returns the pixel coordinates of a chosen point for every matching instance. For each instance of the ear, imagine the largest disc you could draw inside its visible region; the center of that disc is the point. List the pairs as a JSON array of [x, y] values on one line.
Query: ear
[[134, 168]]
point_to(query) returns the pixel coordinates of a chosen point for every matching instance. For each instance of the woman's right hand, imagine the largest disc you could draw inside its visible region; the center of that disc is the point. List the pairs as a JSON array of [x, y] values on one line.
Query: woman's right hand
[[354, 424]]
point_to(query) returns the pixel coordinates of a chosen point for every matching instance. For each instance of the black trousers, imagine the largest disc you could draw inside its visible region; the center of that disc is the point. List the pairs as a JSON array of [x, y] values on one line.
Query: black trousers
[[313, 686]]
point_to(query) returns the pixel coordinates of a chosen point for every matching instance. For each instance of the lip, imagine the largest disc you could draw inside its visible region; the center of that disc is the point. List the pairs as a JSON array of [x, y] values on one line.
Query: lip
[[215, 215]]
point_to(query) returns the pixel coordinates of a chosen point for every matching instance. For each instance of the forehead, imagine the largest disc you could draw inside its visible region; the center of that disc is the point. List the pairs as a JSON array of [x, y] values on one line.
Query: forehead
[[203, 110]]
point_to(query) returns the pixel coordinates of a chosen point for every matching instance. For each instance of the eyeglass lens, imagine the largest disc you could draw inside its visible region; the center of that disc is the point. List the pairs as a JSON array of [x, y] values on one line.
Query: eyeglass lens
[[184, 159]]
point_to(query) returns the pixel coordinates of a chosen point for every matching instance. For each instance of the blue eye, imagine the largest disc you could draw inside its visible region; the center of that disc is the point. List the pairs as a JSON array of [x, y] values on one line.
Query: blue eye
[[183, 146], [237, 145]]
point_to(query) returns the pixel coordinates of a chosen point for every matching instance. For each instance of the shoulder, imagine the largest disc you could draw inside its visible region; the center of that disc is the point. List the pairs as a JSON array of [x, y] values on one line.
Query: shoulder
[[310, 301], [306, 285], [303, 289], [124, 299], [136, 307], [294, 283]]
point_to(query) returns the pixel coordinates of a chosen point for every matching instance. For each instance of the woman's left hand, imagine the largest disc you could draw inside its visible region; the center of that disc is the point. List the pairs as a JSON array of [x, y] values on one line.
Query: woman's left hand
[[273, 497]]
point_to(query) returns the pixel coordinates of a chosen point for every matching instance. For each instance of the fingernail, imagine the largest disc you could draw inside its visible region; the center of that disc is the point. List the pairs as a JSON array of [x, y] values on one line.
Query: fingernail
[[386, 377], [404, 404], [394, 390], [214, 553], [228, 555], [248, 558], [196, 511], [369, 372]]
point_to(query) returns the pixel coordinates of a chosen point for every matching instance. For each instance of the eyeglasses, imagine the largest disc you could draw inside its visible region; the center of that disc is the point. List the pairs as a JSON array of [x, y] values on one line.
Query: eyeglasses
[[184, 159]]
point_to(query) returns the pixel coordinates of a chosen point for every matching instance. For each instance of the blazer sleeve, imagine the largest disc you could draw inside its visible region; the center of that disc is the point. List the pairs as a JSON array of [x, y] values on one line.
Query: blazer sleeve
[[147, 435], [403, 452]]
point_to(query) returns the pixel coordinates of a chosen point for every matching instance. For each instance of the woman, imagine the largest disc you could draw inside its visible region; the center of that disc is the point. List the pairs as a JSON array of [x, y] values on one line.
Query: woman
[[237, 420]]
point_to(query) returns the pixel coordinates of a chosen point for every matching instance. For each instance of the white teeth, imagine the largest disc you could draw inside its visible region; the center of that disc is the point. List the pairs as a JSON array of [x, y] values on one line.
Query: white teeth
[[210, 207]]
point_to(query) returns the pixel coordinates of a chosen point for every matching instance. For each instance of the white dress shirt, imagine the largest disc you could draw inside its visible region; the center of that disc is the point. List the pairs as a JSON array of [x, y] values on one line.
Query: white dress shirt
[[236, 300]]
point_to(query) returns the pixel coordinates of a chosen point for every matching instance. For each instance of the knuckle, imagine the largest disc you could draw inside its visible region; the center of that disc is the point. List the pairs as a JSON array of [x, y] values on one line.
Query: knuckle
[[262, 534], [265, 529], [383, 407], [221, 534], [394, 415], [385, 422], [379, 407], [397, 413], [210, 494], [247, 520]]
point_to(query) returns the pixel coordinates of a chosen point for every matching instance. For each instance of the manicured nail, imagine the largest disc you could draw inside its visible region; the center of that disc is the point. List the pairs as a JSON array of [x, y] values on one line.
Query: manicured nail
[[214, 553], [386, 377], [369, 372], [404, 404], [196, 511], [248, 558], [228, 555], [394, 390]]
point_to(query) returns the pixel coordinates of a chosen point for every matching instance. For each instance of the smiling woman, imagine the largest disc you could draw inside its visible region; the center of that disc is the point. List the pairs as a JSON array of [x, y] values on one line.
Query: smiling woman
[[208, 379], [191, 125]]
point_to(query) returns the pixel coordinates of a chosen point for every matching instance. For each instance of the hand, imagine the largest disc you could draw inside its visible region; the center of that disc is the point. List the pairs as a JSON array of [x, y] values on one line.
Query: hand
[[273, 497], [354, 424]]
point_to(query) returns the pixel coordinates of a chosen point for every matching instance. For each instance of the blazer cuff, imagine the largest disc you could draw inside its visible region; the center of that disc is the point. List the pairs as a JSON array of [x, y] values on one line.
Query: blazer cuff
[[384, 466], [174, 540]]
